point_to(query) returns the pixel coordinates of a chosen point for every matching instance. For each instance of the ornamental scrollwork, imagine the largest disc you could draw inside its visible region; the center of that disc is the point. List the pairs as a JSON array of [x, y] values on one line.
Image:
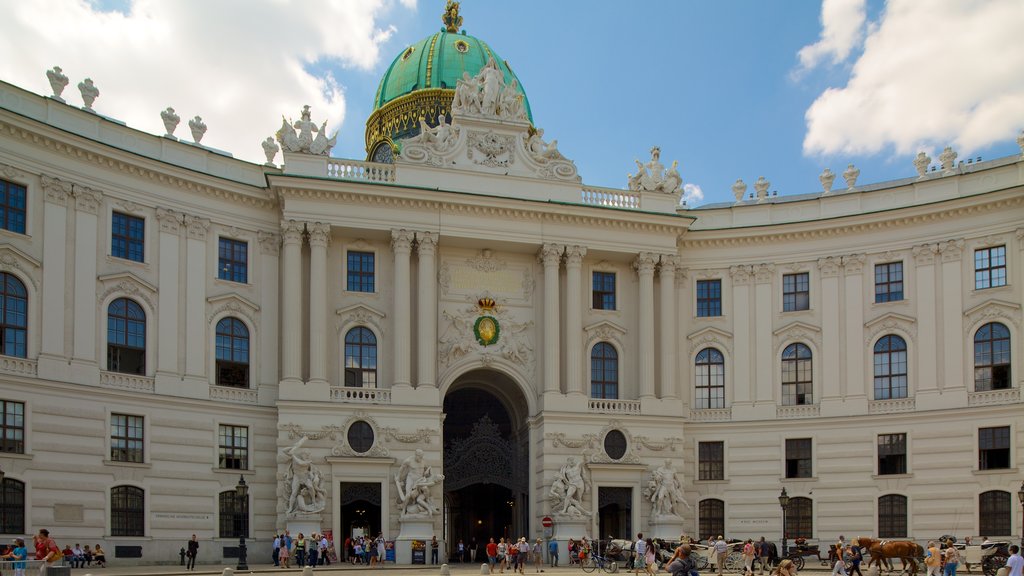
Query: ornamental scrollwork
[[295, 431], [559, 439], [421, 435], [669, 444]]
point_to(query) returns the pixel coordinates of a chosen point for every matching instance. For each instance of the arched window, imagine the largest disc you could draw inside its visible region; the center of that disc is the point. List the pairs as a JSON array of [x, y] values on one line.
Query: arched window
[[800, 518], [12, 507], [604, 371], [992, 357], [797, 385], [126, 337], [712, 517], [710, 379], [234, 515], [232, 353], [127, 511], [994, 513], [13, 316], [890, 368], [892, 516], [360, 358]]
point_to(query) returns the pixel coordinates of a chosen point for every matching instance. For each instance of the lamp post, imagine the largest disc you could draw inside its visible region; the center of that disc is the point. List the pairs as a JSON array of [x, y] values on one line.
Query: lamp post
[[1020, 496], [242, 493], [784, 503]]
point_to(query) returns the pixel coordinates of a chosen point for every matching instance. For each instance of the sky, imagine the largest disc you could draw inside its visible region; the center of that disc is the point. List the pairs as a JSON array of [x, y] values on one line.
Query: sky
[[733, 89]]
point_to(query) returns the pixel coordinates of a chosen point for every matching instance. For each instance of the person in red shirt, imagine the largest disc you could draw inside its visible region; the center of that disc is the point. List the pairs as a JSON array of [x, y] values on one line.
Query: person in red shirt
[[492, 555]]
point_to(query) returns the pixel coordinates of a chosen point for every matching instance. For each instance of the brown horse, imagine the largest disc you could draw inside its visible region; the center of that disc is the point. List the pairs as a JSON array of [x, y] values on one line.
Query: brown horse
[[881, 550]]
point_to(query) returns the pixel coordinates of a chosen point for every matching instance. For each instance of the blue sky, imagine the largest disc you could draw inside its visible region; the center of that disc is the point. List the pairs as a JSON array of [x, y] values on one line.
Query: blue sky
[[723, 87]]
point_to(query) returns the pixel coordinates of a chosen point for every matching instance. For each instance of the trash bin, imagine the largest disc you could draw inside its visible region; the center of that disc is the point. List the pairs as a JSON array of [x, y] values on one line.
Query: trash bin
[[58, 571]]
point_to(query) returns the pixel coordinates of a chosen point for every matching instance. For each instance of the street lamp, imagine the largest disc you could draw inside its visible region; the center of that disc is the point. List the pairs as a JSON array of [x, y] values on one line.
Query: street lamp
[[1020, 496], [784, 503], [242, 494]]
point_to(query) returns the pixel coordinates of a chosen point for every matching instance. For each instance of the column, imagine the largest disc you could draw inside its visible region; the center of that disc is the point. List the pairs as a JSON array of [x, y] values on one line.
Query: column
[[195, 296], [740, 277], [55, 228], [574, 320], [763, 377], [667, 346], [851, 380], [401, 244], [291, 301], [644, 265], [551, 256], [952, 314], [426, 333], [87, 205], [828, 269], [168, 247], [927, 313], [319, 238]]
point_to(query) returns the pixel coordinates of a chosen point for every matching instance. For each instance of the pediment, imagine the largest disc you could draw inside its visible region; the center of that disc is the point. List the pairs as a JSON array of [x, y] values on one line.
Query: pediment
[[992, 311], [119, 277], [710, 335], [127, 284], [891, 317], [13, 259], [605, 329], [233, 303], [360, 314], [888, 323], [796, 331]]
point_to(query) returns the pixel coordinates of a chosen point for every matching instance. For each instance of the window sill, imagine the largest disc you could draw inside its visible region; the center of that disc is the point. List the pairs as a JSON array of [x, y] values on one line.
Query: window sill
[[996, 471], [111, 259], [802, 311], [605, 310], [13, 234], [712, 482], [18, 455], [233, 471], [811, 479], [1006, 286], [892, 476], [891, 303], [226, 282], [127, 464]]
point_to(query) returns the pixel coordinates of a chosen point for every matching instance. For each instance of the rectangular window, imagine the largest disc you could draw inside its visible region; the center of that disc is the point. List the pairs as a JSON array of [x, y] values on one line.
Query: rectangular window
[[796, 292], [798, 458], [233, 261], [889, 282], [360, 272], [994, 448], [126, 438], [12, 207], [709, 298], [128, 237], [892, 454], [990, 267], [711, 460], [234, 447], [604, 291], [13, 427]]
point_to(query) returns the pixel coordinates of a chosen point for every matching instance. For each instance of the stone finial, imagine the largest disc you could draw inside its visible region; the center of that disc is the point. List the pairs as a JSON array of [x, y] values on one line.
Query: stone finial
[[1020, 142], [850, 175], [948, 159], [761, 186], [58, 81], [270, 148], [921, 163], [170, 122], [89, 93], [198, 128], [827, 177], [739, 189]]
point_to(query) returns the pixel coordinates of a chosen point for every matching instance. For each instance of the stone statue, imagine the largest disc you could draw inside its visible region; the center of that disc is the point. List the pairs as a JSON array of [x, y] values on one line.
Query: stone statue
[[652, 177], [511, 102], [89, 93], [492, 83], [58, 81], [948, 159], [467, 95], [170, 121], [540, 150], [452, 20], [739, 188], [270, 149], [303, 481], [569, 487], [665, 490], [298, 136], [413, 481], [486, 94], [437, 139], [198, 129]]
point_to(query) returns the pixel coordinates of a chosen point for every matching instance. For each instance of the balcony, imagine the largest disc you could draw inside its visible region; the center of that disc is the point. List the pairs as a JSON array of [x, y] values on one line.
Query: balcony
[[132, 382], [359, 395], [800, 411], [18, 366], [991, 397], [603, 406], [891, 406], [711, 415], [233, 394]]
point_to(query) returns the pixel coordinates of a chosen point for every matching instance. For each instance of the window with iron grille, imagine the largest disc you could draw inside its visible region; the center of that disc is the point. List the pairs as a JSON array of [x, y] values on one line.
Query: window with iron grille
[[127, 511], [889, 282], [800, 518], [128, 237], [892, 454], [994, 513], [360, 358], [13, 427], [127, 438], [603, 291], [232, 353], [796, 292], [992, 357], [12, 206], [994, 448], [126, 337], [798, 458], [892, 516], [233, 260], [709, 298], [797, 383], [234, 515], [13, 316], [890, 368], [712, 517], [234, 447], [604, 371], [990, 267], [360, 272], [709, 379], [12, 506], [711, 460]]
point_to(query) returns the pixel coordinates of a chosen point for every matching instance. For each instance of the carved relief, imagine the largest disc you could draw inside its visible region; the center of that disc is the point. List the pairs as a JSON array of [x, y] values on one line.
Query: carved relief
[[360, 315], [343, 448], [458, 339], [55, 190], [291, 232], [127, 284], [924, 254], [854, 263], [485, 272], [829, 266], [86, 199], [710, 337], [196, 227], [741, 274], [170, 221], [644, 263], [605, 331], [951, 250], [763, 272], [421, 436], [319, 234], [992, 311], [490, 149], [797, 332], [401, 241], [486, 95], [234, 305]]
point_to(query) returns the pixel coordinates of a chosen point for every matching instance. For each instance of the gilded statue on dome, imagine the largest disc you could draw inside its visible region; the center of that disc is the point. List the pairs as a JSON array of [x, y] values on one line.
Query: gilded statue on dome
[[452, 20]]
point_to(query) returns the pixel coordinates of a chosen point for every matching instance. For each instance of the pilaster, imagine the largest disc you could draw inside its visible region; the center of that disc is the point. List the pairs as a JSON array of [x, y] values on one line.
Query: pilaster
[[87, 204], [667, 346], [764, 312], [551, 256], [852, 380], [952, 314], [644, 265], [291, 302], [828, 270], [55, 225], [927, 311], [169, 223], [196, 229], [745, 385], [270, 278], [319, 238], [401, 245], [574, 378], [426, 307]]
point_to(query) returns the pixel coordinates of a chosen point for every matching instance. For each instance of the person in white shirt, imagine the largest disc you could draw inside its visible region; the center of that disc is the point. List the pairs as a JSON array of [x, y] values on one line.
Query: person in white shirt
[[839, 568], [721, 551], [1015, 563], [639, 551], [324, 544]]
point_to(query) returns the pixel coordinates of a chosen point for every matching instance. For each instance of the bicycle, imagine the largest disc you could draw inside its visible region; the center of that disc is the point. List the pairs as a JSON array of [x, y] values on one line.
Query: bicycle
[[595, 560]]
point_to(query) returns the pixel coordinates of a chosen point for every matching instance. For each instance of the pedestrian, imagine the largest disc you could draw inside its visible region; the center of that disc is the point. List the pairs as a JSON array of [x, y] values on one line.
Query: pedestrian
[[932, 559], [325, 546], [191, 553], [748, 557], [839, 568], [99, 556], [286, 552], [553, 552], [1015, 563], [381, 550], [952, 559], [300, 550], [433, 549], [639, 553], [538, 555], [680, 564], [314, 549], [785, 568], [855, 560], [650, 557], [18, 554], [761, 552], [721, 552], [276, 554]]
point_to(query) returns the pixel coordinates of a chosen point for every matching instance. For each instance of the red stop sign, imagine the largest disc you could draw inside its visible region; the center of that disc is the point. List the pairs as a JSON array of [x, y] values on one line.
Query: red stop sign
[[546, 522]]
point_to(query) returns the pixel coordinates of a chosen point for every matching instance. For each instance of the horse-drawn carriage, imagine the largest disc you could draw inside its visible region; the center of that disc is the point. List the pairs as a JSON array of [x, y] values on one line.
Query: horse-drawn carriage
[[991, 557]]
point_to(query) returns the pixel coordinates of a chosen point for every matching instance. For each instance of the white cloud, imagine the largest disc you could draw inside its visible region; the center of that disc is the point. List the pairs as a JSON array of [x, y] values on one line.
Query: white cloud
[[239, 64], [692, 194], [842, 23], [931, 74]]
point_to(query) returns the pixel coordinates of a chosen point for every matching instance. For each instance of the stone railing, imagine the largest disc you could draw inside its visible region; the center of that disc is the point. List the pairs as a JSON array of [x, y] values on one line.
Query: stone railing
[[127, 381], [356, 395], [232, 394], [602, 406], [804, 411], [711, 414], [21, 366], [355, 170], [611, 198], [990, 397], [890, 406]]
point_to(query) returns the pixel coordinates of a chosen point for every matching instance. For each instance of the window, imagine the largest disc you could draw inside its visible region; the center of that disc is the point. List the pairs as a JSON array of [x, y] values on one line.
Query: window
[[360, 358], [127, 511], [128, 237], [360, 272], [232, 353], [234, 447], [233, 261], [13, 316], [126, 438], [360, 436], [709, 298], [13, 427], [990, 267], [126, 337], [992, 357], [604, 371], [890, 368], [12, 507], [234, 515], [12, 207], [994, 448], [892, 516], [712, 517], [796, 375], [994, 512], [711, 460], [796, 292], [604, 291], [798, 458], [889, 282], [710, 379], [892, 454], [800, 518]]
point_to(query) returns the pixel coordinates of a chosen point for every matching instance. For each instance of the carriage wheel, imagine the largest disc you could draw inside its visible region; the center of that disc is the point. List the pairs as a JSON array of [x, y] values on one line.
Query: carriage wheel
[[991, 564], [798, 561], [700, 561], [610, 567]]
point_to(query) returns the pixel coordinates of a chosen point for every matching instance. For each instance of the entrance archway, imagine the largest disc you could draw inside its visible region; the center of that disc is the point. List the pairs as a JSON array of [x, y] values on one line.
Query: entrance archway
[[486, 460]]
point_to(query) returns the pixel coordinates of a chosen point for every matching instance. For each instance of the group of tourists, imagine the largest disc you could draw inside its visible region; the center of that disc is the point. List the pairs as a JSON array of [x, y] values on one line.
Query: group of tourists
[[49, 554], [514, 555], [312, 551], [366, 550]]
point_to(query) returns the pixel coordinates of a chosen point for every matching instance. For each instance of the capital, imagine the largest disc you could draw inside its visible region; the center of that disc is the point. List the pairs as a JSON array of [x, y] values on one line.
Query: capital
[[270, 242], [56, 190], [667, 267], [319, 234], [401, 241], [644, 263], [551, 254], [574, 255], [291, 232], [426, 243], [196, 227], [170, 220]]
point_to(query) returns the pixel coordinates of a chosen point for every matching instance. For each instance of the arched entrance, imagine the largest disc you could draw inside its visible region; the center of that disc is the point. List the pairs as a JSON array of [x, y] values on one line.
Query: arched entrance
[[486, 460]]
